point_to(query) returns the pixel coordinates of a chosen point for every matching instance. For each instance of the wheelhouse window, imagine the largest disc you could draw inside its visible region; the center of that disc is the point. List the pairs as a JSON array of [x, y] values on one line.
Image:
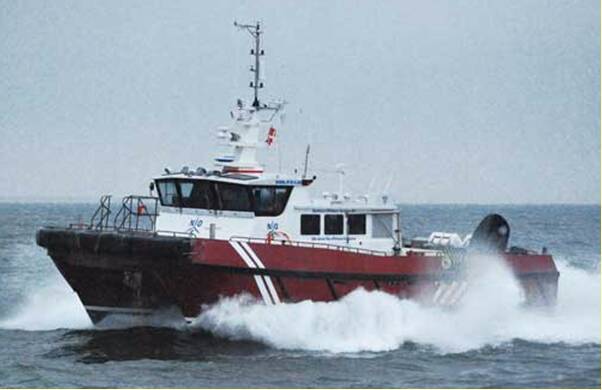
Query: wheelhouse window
[[233, 197], [197, 194], [333, 224], [214, 195], [269, 200], [204, 194], [310, 224], [356, 224], [168, 193]]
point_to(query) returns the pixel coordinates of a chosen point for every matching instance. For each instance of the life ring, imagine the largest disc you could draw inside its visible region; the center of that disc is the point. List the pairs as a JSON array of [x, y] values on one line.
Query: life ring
[[277, 234]]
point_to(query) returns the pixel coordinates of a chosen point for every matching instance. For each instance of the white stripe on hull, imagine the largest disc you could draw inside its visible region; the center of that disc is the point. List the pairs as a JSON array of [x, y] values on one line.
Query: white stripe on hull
[[267, 279], [448, 294], [261, 286], [438, 292], [459, 293]]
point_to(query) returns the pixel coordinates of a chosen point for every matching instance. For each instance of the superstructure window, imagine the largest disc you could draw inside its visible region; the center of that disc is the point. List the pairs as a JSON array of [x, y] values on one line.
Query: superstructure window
[[356, 224], [168, 193], [310, 224], [216, 195], [333, 224], [233, 197], [270, 200], [204, 194], [198, 194], [382, 225]]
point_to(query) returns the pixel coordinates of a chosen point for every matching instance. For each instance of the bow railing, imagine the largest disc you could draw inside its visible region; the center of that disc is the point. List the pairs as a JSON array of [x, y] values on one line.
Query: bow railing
[[137, 213]]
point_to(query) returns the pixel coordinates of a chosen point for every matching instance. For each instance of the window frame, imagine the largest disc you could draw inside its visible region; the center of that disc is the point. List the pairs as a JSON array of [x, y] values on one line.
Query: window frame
[[319, 216], [287, 196], [379, 229], [342, 224], [365, 225], [179, 197], [216, 196]]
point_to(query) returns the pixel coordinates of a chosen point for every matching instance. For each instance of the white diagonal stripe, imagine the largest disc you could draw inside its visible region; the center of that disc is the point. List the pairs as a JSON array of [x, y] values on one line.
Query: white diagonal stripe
[[438, 292], [459, 292], [242, 254], [448, 292], [267, 279], [262, 289]]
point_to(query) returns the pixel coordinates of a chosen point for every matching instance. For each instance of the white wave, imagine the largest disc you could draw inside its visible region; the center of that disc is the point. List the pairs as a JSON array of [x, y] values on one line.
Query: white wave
[[52, 305], [490, 314]]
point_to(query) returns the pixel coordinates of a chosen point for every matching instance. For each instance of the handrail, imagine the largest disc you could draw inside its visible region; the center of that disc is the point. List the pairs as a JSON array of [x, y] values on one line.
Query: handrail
[[137, 213], [134, 210], [103, 211], [311, 244]]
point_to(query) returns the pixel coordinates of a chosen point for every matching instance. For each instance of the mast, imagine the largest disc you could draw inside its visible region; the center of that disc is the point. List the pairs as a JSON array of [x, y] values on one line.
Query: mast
[[306, 161], [244, 137], [256, 84]]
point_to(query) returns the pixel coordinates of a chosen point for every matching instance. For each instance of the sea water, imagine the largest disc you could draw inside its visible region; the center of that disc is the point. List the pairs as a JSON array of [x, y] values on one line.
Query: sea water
[[367, 339]]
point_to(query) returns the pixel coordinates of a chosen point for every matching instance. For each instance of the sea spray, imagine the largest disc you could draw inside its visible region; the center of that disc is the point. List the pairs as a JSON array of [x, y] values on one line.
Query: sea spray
[[491, 313], [52, 305]]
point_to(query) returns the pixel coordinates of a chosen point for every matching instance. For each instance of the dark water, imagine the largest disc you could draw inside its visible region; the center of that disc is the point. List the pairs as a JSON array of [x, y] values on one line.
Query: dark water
[[367, 340]]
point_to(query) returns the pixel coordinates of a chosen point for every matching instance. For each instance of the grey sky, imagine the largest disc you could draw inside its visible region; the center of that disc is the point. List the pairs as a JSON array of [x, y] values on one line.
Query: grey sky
[[466, 101]]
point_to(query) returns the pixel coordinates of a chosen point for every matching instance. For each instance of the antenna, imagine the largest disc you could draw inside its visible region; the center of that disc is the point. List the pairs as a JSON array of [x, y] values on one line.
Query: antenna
[[306, 161], [340, 170], [255, 31], [388, 185]]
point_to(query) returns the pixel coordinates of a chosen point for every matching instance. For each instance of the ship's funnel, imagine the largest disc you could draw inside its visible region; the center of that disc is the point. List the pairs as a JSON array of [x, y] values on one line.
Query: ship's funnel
[[491, 235]]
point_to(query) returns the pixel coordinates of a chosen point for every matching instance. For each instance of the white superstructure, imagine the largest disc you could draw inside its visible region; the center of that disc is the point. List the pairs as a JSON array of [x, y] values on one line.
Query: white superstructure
[[238, 198]]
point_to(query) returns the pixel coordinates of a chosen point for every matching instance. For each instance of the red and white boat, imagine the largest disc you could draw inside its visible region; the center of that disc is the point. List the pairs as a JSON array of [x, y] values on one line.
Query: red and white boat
[[238, 229]]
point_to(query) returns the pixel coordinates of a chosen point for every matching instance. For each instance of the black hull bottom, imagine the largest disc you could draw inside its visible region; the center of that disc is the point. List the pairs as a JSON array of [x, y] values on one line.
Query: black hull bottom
[[115, 273]]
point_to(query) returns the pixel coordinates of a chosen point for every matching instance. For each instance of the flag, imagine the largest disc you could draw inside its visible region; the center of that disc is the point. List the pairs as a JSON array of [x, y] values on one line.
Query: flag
[[271, 136]]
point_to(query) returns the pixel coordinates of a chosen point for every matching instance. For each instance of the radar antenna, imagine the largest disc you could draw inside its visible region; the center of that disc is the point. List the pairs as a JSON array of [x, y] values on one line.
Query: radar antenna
[[255, 31]]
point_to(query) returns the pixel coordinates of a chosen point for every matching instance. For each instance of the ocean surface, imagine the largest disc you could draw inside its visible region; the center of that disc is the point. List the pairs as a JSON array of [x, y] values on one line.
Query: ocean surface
[[364, 340]]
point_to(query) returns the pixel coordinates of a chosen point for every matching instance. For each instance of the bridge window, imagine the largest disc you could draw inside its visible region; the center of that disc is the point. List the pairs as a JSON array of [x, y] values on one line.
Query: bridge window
[[310, 224], [168, 192], [202, 195], [233, 197], [214, 195], [356, 224], [270, 201], [333, 224]]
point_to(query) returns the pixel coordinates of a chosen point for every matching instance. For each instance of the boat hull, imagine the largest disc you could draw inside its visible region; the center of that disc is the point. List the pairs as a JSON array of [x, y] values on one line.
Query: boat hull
[[138, 274]]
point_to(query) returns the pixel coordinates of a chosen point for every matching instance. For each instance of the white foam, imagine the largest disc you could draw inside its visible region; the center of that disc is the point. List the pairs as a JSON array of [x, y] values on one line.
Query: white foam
[[52, 305], [490, 314]]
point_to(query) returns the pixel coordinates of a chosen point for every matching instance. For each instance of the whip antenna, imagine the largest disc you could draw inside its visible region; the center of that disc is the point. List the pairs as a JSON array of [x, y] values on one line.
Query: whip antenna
[[306, 161]]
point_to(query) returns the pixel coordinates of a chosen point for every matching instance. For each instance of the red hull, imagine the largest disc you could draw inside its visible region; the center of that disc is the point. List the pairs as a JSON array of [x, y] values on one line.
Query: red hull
[[134, 274], [298, 273]]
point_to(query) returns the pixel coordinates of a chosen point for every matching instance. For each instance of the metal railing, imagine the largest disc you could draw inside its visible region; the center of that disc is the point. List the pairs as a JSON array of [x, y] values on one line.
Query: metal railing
[[311, 244], [137, 213], [100, 218]]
